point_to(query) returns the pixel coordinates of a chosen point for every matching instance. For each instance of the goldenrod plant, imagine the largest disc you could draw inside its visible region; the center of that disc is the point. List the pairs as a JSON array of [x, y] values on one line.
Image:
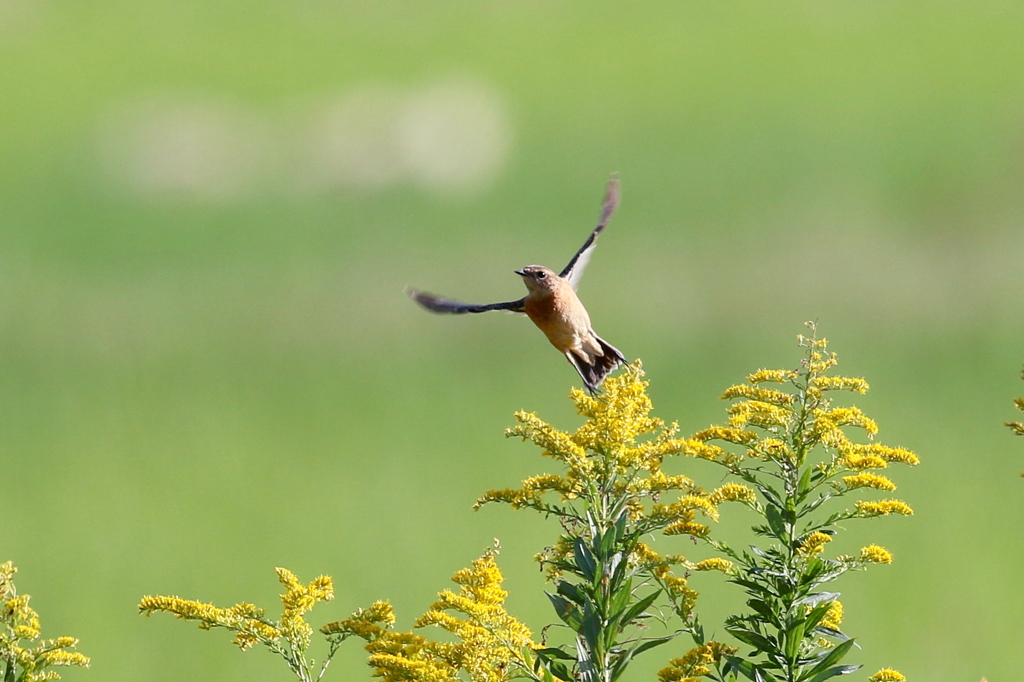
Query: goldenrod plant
[[609, 583], [792, 454], [796, 453], [492, 645], [287, 636], [26, 657]]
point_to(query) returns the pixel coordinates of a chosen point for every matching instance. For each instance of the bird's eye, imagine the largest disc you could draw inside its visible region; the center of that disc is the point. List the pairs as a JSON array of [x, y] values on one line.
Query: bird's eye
[[541, 275]]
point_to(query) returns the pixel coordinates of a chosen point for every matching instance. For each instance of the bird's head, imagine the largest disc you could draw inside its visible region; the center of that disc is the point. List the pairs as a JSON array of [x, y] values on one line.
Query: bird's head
[[538, 278]]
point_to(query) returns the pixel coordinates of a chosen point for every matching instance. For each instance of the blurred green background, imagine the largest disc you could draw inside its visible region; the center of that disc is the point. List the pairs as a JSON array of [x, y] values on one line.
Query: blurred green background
[[209, 210]]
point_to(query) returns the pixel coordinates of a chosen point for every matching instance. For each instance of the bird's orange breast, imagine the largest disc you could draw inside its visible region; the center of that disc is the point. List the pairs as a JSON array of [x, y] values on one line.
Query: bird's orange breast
[[560, 315]]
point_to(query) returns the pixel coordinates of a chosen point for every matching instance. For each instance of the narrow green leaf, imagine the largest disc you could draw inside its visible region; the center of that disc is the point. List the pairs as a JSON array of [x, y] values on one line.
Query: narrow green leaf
[[794, 636], [833, 672], [775, 521], [639, 607], [651, 643], [833, 657], [584, 559], [620, 598], [804, 486], [608, 541], [817, 598], [566, 610], [754, 639], [571, 592], [746, 668], [551, 653]]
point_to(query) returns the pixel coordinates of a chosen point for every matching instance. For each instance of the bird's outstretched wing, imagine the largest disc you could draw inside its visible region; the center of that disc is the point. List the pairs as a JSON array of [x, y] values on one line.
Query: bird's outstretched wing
[[574, 270], [444, 305]]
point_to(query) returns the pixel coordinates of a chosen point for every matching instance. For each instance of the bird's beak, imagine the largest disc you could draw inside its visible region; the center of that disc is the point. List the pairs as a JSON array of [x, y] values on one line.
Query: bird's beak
[[520, 273]]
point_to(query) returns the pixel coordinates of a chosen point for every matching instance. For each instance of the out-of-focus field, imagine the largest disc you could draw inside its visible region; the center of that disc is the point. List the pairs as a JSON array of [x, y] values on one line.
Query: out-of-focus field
[[208, 367]]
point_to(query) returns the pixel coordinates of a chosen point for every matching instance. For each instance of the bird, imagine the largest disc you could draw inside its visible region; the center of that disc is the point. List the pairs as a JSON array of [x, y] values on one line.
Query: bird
[[551, 303]]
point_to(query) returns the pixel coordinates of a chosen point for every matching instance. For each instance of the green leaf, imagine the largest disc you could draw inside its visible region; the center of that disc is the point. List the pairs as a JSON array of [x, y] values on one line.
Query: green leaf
[[551, 653], [804, 486], [584, 559], [754, 639], [794, 636], [651, 643], [748, 669], [829, 632], [620, 598], [817, 598], [639, 607], [816, 614], [775, 521], [566, 610], [770, 496], [608, 541], [833, 657], [764, 610], [571, 592], [833, 672], [590, 629]]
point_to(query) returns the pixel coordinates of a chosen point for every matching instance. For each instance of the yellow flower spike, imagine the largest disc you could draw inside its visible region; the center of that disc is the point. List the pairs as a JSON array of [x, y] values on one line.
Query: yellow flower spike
[[857, 462], [777, 376], [756, 393], [868, 480], [490, 643], [729, 435], [814, 543], [517, 498], [887, 675], [898, 455], [7, 571], [695, 503], [733, 492], [850, 416], [833, 618], [695, 664], [840, 384], [692, 528], [756, 413], [696, 448], [875, 554], [883, 508], [714, 564]]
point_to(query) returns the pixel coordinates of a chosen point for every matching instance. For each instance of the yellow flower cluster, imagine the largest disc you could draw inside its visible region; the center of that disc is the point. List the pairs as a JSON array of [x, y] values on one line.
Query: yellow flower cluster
[[490, 640], [661, 568], [249, 622], [857, 457], [368, 624], [883, 508], [874, 554], [622, 444], [714, 564], [733, 492], [21, 627], [833, 618], [695, 663], [777, 376], [868, 480], [887, 675], [814, 544]]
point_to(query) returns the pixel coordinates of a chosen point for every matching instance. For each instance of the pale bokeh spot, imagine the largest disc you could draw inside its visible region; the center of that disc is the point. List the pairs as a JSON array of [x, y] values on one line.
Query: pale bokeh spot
[[451, 137], [351, 140], [191, 145], [455, 136]]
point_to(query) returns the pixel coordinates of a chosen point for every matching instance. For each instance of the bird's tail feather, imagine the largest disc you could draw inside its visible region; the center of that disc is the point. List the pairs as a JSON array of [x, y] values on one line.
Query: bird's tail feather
[[593, 375]]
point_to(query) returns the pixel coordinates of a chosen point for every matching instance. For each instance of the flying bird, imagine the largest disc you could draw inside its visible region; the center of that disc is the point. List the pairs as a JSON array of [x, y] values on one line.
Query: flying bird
[[552, 304]]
